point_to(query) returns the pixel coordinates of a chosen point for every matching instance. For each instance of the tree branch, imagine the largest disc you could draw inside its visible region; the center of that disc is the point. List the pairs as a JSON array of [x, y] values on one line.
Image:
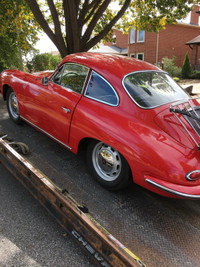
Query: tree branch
[[77, 3], [57, 26], [94, 20], [106, 30], [83, 12], [40, 18], [44, 25], [96, 4]]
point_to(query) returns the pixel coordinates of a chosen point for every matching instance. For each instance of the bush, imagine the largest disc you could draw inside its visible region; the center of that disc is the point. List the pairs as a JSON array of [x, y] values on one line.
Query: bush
[[169, 66], [186, 68], [45, 61], [197, 74]]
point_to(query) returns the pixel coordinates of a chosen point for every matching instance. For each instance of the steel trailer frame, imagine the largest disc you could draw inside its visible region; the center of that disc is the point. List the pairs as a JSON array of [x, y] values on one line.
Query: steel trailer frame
[[103, 248]]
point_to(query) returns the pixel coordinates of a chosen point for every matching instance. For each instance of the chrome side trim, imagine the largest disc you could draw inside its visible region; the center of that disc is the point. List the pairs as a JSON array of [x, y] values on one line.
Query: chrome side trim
[[46, 133], [171, 191]]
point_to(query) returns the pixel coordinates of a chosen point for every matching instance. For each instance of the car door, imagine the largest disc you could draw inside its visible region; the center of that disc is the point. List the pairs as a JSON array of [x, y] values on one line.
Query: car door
[[55, 102]]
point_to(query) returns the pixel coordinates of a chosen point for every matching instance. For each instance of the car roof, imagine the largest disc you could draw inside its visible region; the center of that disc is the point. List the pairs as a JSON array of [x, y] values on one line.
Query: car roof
[[106, 64]]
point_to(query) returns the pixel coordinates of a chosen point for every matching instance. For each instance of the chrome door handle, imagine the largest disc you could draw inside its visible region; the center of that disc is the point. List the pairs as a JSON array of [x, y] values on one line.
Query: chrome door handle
[[66, 110]]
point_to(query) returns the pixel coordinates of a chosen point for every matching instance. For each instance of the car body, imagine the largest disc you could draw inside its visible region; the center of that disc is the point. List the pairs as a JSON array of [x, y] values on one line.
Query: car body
[[133, 119]]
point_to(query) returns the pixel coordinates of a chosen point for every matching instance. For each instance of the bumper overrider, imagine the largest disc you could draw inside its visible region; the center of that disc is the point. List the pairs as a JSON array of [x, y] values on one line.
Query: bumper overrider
[[191, 192]]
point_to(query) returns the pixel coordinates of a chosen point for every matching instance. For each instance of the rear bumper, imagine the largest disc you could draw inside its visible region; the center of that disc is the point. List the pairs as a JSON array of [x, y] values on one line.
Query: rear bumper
[[190, 192]]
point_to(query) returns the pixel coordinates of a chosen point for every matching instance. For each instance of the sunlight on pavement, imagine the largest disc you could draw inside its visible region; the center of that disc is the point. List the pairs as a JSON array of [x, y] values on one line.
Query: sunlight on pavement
[[10, 254]]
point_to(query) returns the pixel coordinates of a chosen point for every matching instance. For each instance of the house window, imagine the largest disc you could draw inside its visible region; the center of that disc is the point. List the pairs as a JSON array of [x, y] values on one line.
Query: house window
[[132, 55], [132, 35], [140, 36], [140, 56]]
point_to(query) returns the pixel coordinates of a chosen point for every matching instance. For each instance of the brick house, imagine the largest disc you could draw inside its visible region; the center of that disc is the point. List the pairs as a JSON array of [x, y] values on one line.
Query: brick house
[[121, 39], [153, 47], [119, 47]]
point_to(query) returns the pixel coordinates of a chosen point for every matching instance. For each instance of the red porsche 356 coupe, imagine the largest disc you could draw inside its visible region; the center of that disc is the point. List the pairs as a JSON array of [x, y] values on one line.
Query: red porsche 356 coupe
[[137, 123]]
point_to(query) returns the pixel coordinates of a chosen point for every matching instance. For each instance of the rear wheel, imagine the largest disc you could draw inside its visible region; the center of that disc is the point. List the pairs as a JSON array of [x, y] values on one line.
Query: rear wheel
[[108, 166], [12, 106]]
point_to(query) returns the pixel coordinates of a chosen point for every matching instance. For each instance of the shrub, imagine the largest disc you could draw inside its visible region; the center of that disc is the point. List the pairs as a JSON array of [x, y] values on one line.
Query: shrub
[[45, 61], [197, 74], [186, 68], [169, 66]]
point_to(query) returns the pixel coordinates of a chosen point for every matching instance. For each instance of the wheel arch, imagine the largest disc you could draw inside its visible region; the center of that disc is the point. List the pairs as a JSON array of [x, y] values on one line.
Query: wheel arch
[[5, 90], [84, 143], [82, 146]]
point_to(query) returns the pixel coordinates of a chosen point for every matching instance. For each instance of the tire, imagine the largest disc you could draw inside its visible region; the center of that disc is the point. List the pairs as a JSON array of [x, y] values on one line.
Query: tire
[[108, 166], [12, 106]]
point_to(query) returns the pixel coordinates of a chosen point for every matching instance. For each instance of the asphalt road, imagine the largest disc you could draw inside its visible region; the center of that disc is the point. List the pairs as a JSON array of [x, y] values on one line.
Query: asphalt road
[[160, 231], [29, 236]]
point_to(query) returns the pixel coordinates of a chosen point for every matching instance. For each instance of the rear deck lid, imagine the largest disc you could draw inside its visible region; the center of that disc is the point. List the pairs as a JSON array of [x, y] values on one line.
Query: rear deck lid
[[181, 120]]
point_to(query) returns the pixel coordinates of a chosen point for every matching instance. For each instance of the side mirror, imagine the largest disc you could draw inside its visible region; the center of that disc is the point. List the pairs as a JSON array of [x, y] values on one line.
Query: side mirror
[[45, 80]]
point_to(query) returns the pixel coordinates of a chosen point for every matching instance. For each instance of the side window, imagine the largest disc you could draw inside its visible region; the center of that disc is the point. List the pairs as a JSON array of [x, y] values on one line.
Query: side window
[[99, 89], [72, 76]]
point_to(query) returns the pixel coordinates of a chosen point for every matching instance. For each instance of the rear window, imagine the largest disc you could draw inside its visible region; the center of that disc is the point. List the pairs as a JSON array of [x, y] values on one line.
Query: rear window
[[151, 89]]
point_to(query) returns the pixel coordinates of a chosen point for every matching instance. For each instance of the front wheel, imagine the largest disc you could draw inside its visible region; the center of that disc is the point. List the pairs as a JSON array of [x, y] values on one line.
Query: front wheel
[[12, 106], [108, 166]]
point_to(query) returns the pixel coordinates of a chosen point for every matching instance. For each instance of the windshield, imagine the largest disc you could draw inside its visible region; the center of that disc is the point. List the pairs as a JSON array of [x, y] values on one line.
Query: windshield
[[151, 89]]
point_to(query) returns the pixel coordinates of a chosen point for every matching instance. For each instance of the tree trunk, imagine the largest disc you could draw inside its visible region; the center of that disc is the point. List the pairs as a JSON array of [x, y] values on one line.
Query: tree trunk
[[20, 58], [75, 19]]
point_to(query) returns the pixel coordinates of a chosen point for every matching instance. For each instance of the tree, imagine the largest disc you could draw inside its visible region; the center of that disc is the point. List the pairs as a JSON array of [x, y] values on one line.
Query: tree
[[87, 22], [18, 32], [7, 48], [186, 68]]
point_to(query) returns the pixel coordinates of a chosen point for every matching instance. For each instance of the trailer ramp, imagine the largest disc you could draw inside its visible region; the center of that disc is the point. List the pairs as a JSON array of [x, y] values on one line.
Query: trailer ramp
[[103, 247]]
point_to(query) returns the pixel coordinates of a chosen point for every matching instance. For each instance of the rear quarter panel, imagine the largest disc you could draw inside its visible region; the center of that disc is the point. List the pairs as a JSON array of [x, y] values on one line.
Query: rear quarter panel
[[132, 131]]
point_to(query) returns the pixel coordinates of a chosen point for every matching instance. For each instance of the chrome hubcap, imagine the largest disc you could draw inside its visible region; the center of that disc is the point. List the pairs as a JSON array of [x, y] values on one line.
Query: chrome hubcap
[[13, 105], [106, 161]]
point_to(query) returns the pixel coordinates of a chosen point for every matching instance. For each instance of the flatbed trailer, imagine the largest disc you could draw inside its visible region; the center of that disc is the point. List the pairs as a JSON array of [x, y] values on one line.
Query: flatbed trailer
[[102, 246]]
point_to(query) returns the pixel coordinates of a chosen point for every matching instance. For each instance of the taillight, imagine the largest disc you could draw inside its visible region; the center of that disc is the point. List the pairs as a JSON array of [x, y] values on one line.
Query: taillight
[[193, 175]]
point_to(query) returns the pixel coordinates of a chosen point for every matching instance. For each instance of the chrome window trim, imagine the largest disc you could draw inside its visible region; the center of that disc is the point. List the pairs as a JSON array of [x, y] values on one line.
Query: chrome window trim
[[63, 67], [171, 191], [50, 80], [134, 99], [46, 133], [109, 104]]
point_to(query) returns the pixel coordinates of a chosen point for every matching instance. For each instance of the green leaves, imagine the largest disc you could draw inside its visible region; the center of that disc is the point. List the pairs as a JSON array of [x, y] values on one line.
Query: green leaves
[[78, 25], [45, 61], [17, 22], [153, 15], [18, 28]]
